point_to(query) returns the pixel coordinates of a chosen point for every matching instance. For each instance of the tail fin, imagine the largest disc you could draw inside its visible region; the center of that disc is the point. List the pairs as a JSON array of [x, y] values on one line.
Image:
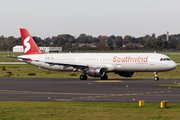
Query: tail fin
[[29, 46]]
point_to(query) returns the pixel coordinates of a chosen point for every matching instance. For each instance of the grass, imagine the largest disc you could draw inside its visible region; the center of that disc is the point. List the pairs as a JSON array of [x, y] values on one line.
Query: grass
[[22, 71], [166, 85], [174, 56], [20, 110], [6, 59]]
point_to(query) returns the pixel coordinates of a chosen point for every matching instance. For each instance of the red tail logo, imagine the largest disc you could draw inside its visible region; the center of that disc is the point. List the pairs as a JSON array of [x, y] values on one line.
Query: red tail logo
[[29, 46]]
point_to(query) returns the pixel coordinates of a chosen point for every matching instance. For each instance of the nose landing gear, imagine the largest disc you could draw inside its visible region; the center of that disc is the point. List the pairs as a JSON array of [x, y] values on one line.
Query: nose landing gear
[[156, 76]]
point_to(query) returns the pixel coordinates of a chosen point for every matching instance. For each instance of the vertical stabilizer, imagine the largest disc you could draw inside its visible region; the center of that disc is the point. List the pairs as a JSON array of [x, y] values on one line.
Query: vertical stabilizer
[[29, 46]]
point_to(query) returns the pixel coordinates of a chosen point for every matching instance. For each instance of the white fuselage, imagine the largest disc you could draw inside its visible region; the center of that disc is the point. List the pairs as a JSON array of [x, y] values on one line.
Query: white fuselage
[[130, 62]]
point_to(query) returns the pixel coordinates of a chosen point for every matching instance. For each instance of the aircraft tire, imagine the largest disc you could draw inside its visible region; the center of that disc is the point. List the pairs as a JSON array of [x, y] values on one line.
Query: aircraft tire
[[105, 77], [156, 78], [83, 77]]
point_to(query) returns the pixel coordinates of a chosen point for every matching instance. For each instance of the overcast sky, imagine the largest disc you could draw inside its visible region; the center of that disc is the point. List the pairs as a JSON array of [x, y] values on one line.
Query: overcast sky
[[47, 18]]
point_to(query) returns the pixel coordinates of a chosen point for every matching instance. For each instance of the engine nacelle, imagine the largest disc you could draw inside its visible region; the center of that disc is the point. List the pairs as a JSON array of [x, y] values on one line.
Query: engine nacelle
[[96, 71], [125, 74]]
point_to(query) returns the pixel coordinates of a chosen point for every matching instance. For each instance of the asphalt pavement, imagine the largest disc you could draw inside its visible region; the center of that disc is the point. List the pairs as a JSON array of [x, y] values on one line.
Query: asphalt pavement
[[91, 90]]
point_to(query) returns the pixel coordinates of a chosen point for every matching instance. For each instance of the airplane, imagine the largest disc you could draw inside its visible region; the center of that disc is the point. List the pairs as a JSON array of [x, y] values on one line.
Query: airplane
[[95, 64]]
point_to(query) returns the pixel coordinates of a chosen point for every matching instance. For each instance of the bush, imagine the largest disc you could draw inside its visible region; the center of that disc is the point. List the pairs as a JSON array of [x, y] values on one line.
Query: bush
[[9, 73], [31, 74], [3, 68]]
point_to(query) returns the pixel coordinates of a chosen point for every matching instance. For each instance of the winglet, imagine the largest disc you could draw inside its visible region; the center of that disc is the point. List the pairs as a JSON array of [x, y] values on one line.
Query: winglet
[[29, 46]]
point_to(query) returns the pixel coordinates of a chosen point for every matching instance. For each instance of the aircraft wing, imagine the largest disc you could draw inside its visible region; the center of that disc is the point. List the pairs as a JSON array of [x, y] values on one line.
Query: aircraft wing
[[28, 60], [67, 64]]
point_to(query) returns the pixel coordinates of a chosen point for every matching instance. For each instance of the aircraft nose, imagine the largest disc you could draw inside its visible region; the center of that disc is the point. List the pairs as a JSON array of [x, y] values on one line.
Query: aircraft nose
[[173, 65]]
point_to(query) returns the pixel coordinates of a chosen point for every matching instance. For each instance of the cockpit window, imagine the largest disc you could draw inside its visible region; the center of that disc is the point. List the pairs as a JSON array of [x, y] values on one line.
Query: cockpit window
[[165, 59]]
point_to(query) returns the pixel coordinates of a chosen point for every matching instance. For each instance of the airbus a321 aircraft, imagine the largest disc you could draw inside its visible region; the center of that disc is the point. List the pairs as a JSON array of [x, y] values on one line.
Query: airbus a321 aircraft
[[95, 64]]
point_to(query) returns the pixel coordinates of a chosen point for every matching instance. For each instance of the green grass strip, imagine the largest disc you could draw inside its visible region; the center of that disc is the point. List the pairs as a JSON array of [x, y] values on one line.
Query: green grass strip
[[166, 85], [24, 110]]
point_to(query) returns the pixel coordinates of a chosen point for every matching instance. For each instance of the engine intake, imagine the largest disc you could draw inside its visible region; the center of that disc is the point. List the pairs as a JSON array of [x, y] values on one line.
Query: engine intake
[[96, 71], [125, 74]]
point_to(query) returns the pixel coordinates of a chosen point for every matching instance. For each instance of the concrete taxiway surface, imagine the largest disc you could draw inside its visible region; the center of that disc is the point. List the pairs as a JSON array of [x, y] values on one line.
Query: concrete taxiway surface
[[92, 90]]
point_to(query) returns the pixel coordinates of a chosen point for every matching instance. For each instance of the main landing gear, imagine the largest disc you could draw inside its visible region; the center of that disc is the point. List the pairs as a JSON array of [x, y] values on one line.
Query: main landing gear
[[105, 77], [156, 76], [83, 77]]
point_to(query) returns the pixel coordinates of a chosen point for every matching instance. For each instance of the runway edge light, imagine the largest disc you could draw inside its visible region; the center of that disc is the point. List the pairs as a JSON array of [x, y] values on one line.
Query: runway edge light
[[141, 103]]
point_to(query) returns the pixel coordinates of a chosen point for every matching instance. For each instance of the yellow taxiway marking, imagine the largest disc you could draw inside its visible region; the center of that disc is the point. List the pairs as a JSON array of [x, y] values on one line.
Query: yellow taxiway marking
[[81, 97], [119, 94], [73, 98], [113, 95], [97, 96], [108, 81], [105, 95], [155, 92], [90, 97]]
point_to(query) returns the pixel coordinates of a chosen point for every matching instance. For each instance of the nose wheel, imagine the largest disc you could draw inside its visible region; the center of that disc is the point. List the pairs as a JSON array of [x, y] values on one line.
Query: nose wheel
[[156, 78]]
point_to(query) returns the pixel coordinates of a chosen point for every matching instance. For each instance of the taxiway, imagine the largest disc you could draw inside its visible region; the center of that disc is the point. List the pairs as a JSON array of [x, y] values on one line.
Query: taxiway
[[92, 90]]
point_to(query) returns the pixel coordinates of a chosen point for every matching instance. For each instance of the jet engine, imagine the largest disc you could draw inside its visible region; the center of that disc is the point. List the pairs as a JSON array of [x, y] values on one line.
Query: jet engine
[[125, 74], [96, 71]]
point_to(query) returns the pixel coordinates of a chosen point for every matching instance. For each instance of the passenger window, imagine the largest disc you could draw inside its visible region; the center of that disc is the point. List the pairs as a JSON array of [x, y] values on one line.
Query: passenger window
[[161, 59]]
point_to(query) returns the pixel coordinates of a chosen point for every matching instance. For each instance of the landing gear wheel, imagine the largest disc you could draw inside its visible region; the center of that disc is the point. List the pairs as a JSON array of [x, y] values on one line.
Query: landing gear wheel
[[105, 77], [83, 77], [156, 78]]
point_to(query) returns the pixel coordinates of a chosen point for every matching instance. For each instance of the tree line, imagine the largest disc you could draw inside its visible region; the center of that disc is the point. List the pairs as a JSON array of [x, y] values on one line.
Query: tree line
[[69, 42]]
